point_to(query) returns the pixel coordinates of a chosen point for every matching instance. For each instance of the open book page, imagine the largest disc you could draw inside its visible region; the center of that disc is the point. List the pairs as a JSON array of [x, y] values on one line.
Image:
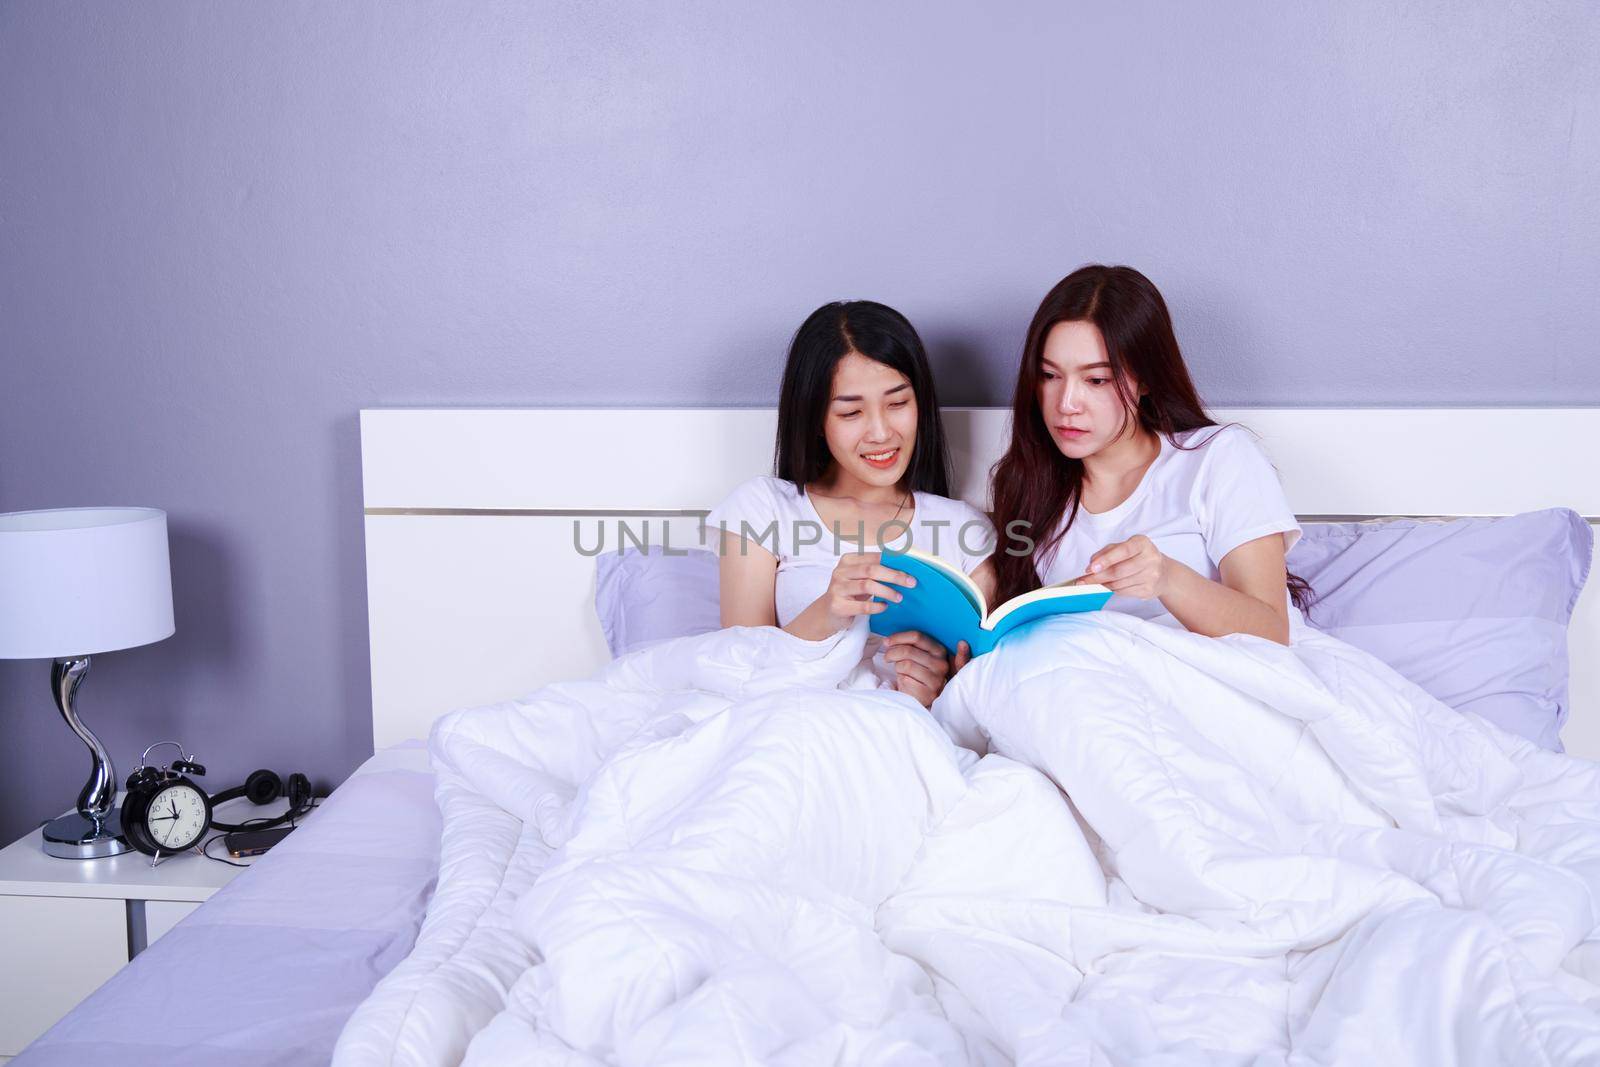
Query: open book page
[[1058, 591]]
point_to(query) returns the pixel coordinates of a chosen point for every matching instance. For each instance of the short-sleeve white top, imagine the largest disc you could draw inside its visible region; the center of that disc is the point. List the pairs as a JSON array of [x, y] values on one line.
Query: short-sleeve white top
[[1209, 491], [777, 515]]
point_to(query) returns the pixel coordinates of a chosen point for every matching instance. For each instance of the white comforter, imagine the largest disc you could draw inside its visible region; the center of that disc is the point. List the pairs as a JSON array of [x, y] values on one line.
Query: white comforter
[[725, 849]]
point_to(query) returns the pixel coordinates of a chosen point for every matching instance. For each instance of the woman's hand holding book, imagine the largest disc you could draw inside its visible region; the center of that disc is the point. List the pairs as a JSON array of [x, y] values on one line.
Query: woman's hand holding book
[[1134, 567], [921, 665], [857, 578]]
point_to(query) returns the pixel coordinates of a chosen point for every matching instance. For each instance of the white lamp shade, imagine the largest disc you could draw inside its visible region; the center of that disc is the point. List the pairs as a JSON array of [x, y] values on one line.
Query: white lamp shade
[[76, 581]]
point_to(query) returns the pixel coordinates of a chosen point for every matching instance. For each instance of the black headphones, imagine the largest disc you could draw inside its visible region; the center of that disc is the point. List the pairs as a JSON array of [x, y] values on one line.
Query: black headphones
[[263, 787]]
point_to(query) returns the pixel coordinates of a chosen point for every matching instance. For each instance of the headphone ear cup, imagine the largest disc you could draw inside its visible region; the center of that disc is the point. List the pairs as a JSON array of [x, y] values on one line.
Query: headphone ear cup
[[299, 792], [263, 787]]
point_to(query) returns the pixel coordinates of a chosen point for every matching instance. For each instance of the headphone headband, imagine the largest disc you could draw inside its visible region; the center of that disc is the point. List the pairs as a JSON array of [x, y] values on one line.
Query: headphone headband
[[263, 787]]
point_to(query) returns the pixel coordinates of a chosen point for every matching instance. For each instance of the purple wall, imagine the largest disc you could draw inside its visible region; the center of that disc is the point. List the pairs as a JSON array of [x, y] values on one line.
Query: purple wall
[[226, 227]]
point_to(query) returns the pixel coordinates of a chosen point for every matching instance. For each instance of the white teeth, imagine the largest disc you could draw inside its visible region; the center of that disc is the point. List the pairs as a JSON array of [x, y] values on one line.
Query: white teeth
[[879, 457]]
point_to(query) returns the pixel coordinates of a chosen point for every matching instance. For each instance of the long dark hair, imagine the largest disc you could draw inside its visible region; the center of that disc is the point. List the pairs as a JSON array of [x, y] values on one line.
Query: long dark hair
[[829, 334], [1033, 482]]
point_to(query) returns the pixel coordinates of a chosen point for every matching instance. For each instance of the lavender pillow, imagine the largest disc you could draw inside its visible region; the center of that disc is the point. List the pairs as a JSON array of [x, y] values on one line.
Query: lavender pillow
[[1474, 611], [650, 596]]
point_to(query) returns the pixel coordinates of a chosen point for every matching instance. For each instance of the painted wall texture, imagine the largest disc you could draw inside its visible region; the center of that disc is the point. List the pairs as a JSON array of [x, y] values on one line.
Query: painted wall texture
[[225, 227]]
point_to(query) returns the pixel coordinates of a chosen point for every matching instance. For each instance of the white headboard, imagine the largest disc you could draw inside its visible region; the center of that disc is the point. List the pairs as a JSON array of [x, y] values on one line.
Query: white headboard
[[477, 593]]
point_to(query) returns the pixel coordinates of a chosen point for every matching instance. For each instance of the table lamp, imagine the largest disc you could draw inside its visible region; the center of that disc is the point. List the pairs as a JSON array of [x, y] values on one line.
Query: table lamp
[[76, 582]]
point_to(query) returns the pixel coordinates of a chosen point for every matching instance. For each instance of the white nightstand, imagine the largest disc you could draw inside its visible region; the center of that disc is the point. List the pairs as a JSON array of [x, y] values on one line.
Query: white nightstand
[[68, 925]]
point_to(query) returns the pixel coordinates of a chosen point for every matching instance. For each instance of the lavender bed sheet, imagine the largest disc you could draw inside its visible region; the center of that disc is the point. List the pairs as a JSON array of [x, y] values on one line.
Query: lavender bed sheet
[[267, 971]]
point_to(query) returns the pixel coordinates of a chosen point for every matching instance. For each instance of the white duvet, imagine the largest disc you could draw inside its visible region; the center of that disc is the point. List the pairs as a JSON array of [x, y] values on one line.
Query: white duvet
[[726, 849]]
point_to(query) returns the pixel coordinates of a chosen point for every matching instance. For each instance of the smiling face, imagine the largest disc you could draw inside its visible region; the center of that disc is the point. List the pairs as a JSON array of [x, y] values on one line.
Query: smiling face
[[871, 425], [1078, 396]]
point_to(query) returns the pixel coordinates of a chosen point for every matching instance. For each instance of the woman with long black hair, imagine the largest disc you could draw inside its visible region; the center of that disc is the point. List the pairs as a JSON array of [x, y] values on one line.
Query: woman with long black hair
[[861, 465]]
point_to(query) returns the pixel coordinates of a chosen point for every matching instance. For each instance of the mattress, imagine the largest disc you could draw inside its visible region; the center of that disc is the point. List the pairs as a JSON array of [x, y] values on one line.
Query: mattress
[[267, 971]]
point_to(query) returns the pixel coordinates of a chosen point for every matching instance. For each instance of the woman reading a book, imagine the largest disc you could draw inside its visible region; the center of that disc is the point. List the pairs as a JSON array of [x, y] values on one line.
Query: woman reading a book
[[862, 465], [1115, 475]]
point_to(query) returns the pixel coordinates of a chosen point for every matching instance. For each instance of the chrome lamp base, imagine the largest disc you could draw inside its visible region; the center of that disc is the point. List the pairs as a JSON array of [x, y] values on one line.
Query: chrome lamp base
[[94, 831], [73, 837]]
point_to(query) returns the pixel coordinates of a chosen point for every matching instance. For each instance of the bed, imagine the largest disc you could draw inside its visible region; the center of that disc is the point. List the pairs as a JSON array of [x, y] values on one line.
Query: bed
[[470, 537], [478, 592], [268, 970]]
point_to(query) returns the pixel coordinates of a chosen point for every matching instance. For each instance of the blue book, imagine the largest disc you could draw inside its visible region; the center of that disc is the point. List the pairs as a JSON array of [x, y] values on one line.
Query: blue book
[[948, 606]]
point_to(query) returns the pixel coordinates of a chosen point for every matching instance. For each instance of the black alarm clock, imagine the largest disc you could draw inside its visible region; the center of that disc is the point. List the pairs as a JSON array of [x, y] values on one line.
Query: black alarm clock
[[165, 811]]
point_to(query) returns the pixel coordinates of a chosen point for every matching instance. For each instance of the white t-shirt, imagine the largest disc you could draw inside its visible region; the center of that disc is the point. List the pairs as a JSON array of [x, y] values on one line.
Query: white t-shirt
[[774, 514], [1197, 503]]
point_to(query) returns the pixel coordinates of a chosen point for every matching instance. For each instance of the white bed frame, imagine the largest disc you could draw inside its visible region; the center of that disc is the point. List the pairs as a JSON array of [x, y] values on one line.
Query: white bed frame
[[477, 593]]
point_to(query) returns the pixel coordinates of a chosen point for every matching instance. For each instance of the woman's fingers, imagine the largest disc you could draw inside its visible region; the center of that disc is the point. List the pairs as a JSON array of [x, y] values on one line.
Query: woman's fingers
[[889, 574], [865, 568], [922, 694], [901, 655], [963, 657], [846, 604], [866, 587], [859, 559], [1111, 555], [915, 637], [1125, 569], [869, 565], [921, 675], [1134, 567]]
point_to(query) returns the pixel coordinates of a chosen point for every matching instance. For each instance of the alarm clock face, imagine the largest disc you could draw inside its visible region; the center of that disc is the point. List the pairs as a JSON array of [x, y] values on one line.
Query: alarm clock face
[[177, 817]]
